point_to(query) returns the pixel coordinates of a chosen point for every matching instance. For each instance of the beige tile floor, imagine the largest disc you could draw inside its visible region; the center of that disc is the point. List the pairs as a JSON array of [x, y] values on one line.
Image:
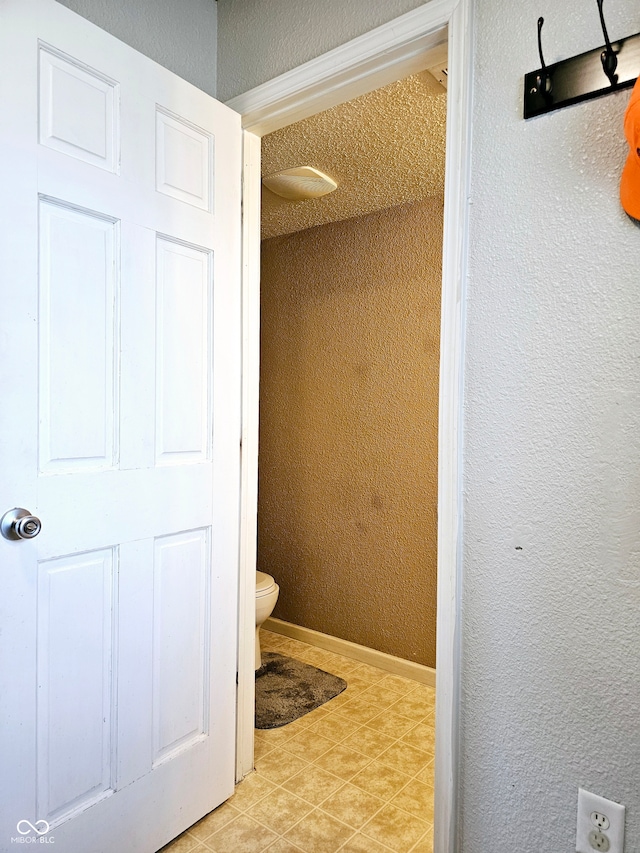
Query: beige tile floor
[[355, 775]]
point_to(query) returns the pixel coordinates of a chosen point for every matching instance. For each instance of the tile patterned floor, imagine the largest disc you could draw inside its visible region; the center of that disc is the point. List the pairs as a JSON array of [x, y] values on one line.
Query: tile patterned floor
[[355, 775]]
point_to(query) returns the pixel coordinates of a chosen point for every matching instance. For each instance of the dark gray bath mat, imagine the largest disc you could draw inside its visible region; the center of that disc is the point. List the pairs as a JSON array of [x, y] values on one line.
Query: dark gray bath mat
[[287, 689]]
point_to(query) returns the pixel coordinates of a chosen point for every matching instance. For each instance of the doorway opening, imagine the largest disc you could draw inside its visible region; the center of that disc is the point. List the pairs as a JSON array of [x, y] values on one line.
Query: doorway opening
[[389, 53], [350, 328]]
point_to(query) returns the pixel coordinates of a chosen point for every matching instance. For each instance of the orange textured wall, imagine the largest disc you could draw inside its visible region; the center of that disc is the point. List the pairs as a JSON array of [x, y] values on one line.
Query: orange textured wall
[[348, 427]]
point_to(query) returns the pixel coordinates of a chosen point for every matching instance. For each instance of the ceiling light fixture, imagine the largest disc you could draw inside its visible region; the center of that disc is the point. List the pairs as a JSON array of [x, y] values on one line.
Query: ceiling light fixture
[[300, 183]]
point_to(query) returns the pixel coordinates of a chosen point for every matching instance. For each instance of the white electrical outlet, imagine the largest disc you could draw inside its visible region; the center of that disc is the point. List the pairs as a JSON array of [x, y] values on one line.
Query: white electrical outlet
[[598, 840], [600, 820], [600, 824]]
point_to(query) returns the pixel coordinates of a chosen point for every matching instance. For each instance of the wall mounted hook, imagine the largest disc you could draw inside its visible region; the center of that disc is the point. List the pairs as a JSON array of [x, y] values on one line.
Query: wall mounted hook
[[543, 80], [601, 71], [608, 55]]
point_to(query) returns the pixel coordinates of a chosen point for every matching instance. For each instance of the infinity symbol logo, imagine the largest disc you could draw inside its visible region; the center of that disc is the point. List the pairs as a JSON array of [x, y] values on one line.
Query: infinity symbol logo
[[40, 827]]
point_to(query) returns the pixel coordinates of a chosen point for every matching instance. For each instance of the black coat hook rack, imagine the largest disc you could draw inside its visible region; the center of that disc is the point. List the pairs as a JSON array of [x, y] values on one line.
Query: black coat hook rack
[[609, 68]]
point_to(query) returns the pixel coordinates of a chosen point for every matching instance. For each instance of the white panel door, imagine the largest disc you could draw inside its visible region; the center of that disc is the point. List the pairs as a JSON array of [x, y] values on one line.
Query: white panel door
[[120, 430]]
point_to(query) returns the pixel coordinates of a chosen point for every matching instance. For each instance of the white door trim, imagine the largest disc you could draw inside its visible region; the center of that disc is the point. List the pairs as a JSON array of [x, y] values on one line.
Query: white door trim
[[385, 54], [245, 714], [366, 63]]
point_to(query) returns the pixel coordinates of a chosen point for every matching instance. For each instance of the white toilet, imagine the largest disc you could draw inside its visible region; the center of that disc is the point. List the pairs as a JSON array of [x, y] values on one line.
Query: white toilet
[[266, 596]]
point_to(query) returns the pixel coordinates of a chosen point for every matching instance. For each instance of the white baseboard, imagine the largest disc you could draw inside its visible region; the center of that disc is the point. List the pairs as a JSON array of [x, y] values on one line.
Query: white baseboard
[[390, 663]]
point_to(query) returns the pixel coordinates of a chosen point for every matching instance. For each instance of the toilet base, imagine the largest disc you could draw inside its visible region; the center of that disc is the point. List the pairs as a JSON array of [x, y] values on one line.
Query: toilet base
[[264, 608]]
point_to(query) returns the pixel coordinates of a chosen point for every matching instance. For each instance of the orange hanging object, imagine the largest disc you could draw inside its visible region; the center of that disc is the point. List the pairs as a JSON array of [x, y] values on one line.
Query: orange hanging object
[[630, 181]]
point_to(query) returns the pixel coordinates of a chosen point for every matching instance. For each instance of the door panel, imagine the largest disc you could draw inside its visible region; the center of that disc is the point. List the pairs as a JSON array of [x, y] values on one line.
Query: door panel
[[181, 642], [120, 425], [183, 354], [78, 360], [76, 707], [78, 110], [183, 166]]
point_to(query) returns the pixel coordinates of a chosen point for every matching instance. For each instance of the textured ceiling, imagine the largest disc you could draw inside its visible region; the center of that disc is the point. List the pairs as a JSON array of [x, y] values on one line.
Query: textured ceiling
[[384, 148]]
